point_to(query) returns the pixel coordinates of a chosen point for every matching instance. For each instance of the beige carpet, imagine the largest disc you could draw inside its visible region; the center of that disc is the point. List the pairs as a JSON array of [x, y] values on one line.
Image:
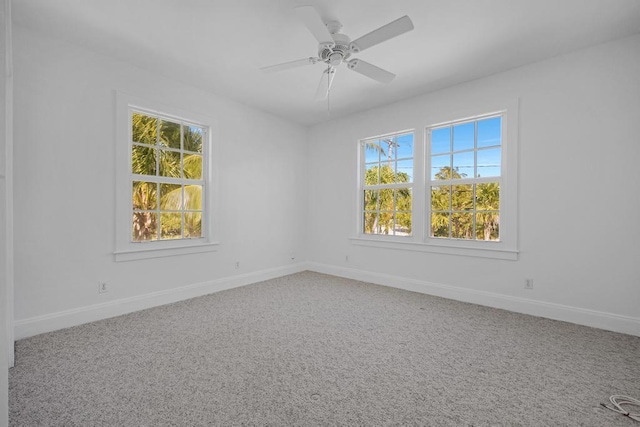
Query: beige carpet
[[311, 349]]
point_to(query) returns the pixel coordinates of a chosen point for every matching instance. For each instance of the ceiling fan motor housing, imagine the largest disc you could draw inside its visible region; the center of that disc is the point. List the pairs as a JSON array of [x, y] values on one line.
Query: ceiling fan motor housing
[[336, 54]]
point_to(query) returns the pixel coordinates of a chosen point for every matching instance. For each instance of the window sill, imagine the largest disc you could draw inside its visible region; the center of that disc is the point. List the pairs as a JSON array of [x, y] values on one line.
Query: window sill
[[146, 252], [493, 253]]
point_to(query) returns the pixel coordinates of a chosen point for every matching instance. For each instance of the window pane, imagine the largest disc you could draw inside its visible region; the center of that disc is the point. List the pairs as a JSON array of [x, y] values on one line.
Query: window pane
[[440, 167], [170, 197], [372, 174], [403, 212], [386, 200], [441, 140], [371, 151], [403, 224], [462, 197], [371, 200], [193, 224], [439, 224], [144, 195], [489, 162], [405, 146], [462, 165], [170, 134], [170, 225], [488, 225], [488, 196], [403, 199], [404, 171], [192, 166], [440, 198], [388, 148], [169, 163], [388, 173], [193, 138], [371, 225], [385, 222], [462, 225], [193, 197], [463, 136], [145, 226], [143, 160], [143, 128], [490, 132]]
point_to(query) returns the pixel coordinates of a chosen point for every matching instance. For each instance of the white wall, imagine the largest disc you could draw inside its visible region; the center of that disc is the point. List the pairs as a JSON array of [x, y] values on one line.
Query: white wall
[[65, 183], [579, 169], [6, 303]]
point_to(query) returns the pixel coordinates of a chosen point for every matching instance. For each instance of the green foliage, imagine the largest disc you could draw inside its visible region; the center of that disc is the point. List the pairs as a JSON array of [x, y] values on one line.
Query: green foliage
[[465, 211], [193, 138], [387, 210], [144, 129], [192, 164]]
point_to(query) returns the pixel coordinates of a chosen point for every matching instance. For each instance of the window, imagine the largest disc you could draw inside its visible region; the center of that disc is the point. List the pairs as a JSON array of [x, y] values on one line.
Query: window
[[460, 198], [167, 180], [387, 178], [164, 187], [465, 179]]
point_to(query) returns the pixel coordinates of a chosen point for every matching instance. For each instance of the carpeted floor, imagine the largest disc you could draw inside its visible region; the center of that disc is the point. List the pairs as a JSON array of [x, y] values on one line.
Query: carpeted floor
[[311, 349]]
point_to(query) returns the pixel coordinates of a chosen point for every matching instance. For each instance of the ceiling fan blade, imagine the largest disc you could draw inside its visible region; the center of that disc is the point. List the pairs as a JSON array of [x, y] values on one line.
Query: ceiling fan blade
[[310, 18], [386, 32], [325, 84], [370, 70], [289, 65]]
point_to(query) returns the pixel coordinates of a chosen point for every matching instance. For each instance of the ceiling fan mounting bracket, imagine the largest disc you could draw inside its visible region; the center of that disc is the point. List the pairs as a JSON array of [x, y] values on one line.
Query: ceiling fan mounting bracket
[[334, 27]]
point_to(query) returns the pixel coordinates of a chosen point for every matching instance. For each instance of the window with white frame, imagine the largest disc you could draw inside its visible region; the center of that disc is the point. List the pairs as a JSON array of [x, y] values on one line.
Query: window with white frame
[[167, 178], [464, 181], [461, 199], [164, 188], [387, 184]]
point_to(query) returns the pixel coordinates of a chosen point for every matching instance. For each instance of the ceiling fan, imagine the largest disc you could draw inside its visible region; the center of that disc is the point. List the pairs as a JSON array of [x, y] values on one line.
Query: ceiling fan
[[335, 48]]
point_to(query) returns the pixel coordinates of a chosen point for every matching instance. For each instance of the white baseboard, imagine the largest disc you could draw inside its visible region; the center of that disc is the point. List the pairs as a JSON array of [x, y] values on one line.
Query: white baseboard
[[580, 316], [64, 319]]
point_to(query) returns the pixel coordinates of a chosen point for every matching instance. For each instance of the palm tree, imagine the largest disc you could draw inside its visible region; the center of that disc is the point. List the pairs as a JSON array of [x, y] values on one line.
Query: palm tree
[[488, 208]]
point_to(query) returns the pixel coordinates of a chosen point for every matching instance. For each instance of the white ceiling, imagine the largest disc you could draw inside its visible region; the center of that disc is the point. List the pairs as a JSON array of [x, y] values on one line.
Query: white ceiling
[[219, 45]]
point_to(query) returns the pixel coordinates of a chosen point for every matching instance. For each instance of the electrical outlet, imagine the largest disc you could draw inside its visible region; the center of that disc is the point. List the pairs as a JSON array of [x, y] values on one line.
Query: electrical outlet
[[237, 264], [102, 287], [528, 283], [346, 258]]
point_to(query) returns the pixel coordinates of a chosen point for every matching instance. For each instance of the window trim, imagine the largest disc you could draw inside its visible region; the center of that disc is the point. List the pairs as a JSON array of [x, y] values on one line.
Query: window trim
[[507, 247], [125, 249]]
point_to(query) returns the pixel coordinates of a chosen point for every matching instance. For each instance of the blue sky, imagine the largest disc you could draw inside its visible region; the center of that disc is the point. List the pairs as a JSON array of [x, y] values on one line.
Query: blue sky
[[453, 146]]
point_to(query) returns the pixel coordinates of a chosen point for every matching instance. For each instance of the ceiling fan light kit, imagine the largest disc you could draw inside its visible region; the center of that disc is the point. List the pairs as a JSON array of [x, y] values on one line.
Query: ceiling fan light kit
[[335, 48]]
